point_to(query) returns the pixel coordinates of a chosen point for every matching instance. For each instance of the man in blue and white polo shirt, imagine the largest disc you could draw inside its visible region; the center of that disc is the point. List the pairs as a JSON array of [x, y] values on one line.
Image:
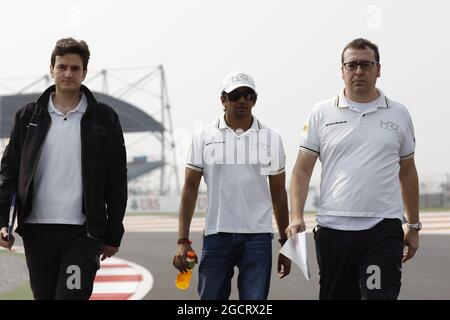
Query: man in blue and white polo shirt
[[242, 162], [365, 142]]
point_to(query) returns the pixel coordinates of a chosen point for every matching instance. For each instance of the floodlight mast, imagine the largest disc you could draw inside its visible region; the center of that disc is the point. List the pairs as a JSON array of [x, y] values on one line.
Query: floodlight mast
[[166, 116], [165, 107]]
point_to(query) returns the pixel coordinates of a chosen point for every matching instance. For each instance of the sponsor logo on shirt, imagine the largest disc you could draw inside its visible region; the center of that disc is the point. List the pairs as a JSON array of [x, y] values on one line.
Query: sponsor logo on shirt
[[213, 142], [334, 123], [389, 125], [305, 128]]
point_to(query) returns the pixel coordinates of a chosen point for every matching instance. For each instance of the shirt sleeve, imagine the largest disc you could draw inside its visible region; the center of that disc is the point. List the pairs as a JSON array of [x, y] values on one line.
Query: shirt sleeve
[[194, 159], [278, 156], [309, 138], [408, 142]]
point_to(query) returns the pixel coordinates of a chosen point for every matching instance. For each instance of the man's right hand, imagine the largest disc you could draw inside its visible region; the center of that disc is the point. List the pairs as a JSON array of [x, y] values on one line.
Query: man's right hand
[[3, 236], [296, 226], [179, 260]]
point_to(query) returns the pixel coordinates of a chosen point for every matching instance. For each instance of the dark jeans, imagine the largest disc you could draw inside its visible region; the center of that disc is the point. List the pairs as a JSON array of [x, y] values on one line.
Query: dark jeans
[[251, 253], [364, 264], [62, 261]]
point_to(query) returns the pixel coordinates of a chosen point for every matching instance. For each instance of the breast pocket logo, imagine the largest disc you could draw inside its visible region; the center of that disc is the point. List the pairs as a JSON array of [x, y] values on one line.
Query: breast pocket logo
[[100, 131], [389, 125]]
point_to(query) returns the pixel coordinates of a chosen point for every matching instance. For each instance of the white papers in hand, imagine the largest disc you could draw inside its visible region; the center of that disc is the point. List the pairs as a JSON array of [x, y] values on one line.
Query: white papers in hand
[[295, 249]]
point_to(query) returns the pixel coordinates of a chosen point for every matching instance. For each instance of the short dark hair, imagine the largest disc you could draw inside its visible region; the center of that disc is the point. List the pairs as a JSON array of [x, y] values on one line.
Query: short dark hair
[[70, 45], [361, 44]]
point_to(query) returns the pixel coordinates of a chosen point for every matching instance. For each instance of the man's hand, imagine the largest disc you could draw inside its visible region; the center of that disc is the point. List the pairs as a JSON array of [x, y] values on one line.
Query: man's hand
[[411, 241], [179, 260], [108, 251], [284, 266], [3, 239], [296, 226]]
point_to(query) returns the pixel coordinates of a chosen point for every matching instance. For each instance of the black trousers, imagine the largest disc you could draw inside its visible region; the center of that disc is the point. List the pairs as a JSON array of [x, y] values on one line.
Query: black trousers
[[62, 261], [364, 264]]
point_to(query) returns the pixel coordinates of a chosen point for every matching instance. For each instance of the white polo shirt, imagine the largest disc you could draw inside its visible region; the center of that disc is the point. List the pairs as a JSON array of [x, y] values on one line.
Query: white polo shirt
[[360, 154], [57, 184], [235, 168]]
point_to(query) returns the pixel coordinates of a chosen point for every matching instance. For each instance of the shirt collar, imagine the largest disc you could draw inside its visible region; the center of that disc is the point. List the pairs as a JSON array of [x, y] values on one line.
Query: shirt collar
[[221, 124], [81, 107], [342, 102]]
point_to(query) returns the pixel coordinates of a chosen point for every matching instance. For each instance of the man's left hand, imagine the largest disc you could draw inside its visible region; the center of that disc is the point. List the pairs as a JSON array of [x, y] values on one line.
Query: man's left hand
[[284, 266], [108, 251], [411, 241]]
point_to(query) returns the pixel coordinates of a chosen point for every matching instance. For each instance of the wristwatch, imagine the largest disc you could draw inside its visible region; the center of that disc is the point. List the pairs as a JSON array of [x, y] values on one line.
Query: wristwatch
[[416, 226]]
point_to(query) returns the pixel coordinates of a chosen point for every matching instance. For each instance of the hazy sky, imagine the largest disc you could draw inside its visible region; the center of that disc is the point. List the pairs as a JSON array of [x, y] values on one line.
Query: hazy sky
[[292, 49]]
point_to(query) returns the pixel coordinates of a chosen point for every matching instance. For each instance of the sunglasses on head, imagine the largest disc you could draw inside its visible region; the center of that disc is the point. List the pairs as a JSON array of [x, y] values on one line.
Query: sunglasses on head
[[235, 95]]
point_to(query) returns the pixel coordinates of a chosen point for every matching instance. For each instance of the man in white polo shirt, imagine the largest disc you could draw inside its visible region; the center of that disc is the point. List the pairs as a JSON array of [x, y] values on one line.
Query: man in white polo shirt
[[365, 142], [237, 156], [66, 162]]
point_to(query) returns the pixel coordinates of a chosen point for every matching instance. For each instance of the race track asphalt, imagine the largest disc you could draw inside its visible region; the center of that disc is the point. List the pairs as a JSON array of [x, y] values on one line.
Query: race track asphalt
[[426, 276]]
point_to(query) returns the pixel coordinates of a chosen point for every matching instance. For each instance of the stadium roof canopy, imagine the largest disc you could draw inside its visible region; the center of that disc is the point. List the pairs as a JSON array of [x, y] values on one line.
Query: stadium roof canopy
[[131, 118]]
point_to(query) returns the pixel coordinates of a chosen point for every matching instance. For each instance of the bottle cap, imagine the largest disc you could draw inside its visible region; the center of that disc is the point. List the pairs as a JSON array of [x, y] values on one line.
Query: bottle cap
[[190, 254]]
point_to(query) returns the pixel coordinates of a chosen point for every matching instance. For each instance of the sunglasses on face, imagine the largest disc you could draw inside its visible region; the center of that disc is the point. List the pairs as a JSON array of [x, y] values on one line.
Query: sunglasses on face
[[235, 95]]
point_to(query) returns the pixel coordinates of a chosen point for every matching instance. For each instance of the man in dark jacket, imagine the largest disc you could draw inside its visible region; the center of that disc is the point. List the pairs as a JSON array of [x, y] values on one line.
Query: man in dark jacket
[[66, 164]]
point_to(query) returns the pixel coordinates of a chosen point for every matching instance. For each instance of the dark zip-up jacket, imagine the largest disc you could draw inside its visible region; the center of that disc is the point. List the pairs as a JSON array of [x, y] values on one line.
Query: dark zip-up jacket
[[103, 163]]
